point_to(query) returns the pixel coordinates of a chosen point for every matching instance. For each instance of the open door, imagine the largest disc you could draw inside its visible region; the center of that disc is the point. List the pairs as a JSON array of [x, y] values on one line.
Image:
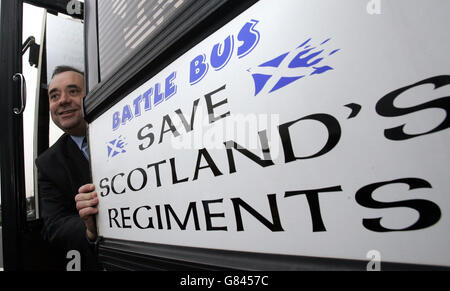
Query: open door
[[26, 132], [11, 161]]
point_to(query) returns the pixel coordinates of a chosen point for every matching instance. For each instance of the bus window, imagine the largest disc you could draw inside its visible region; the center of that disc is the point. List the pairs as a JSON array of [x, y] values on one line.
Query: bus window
[[64, 47], [123, 26]]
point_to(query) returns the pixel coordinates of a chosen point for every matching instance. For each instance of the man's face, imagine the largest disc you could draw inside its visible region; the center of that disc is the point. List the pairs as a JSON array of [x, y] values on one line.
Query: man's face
[[65, 93]]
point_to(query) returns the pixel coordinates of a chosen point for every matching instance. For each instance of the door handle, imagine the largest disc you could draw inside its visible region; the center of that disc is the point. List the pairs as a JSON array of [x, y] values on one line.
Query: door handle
[[23, 93]]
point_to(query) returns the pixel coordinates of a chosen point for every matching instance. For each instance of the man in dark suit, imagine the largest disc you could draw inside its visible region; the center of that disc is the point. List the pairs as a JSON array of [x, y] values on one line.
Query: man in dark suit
[[68, 200]]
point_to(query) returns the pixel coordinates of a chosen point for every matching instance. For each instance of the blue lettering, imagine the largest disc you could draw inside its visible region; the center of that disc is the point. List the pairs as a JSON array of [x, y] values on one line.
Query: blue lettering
[[198, 69], [249, 36], [126, 114], [171, 88], [116, 120], [159, 96], [137, 105], [221, 53], [147, 103], [220, 60]]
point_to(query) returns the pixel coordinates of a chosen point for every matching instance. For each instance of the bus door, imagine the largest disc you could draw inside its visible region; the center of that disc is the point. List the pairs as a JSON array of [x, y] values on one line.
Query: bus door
[[27, 54]]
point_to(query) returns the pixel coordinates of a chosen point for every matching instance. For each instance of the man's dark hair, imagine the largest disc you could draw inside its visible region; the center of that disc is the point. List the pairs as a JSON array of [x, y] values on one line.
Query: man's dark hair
[[62, 69]]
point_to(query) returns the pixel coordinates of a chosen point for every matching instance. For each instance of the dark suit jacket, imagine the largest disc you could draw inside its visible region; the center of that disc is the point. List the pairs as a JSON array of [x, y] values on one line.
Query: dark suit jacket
[[62, 170]]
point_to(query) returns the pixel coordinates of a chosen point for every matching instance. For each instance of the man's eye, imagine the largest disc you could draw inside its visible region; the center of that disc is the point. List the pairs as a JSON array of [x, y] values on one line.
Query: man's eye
[[73, 92], [54, 96]]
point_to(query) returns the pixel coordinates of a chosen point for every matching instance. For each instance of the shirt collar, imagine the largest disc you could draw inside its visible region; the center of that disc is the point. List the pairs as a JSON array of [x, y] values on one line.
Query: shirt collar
[[78, 140]]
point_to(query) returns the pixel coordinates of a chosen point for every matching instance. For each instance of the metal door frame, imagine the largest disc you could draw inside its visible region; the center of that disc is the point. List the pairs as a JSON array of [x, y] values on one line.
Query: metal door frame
[[11, 127]]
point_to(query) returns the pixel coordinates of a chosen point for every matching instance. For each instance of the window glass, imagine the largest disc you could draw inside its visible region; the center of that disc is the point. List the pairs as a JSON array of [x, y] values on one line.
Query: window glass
[[32, 27], [65, 46], [123, 26]]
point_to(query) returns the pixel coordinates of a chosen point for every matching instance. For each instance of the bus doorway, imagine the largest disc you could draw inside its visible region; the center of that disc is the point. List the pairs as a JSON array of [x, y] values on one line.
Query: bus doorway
[[26, 29]]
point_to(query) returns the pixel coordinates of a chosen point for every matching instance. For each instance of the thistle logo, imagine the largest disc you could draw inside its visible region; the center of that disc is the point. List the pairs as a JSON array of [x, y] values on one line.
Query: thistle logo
[[116, 146], [307, 58]]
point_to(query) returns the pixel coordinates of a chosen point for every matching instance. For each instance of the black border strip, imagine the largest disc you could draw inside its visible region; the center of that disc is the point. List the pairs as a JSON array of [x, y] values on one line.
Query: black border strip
[[125, 255], [192, 25]]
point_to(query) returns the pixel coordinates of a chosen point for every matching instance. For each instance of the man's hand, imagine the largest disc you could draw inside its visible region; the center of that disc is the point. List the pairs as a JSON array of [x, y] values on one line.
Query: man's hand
[[87, 201]]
